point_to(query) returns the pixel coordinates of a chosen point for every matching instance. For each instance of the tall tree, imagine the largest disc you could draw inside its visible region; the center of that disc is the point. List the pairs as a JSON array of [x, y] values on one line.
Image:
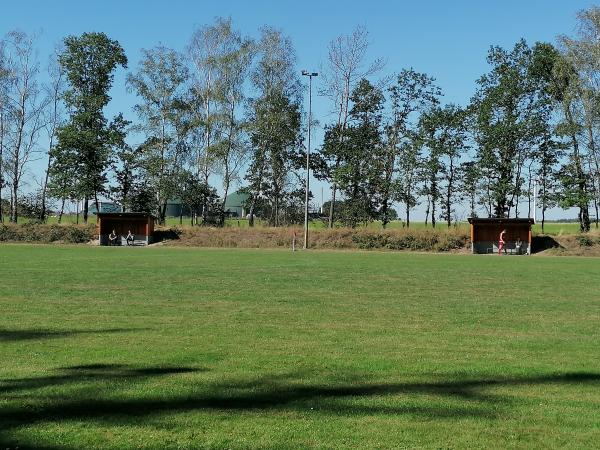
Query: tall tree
[[445, 133], [581, 54], [125, 163], [274, 124], [469, 175], [505, 108], [574, 179], [3, 102], [206, 49], [163, 110], [53, 119], [231, 65], [89, 62], [358, 171], [412, 94], [549, 148], [23, 112], [344, 68]]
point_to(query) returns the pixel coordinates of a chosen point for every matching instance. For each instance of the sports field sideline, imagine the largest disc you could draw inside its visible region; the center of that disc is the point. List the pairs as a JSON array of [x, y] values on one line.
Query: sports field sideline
[[195, 348]]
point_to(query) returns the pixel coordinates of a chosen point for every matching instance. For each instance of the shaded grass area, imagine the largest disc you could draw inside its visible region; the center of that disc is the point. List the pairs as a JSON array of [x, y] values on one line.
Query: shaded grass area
[[188, 348]]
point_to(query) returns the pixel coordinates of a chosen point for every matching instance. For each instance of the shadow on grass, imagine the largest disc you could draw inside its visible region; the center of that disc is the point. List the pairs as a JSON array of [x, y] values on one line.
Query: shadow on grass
[[89, 373], [264, 395], [33, 334]]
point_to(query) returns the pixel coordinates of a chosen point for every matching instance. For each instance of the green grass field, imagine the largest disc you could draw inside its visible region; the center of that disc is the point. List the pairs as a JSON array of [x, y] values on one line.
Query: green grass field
[[188, 348]]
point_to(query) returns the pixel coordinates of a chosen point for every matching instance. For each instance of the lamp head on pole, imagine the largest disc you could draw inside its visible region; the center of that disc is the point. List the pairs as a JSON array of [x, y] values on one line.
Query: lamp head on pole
[[306, 73]]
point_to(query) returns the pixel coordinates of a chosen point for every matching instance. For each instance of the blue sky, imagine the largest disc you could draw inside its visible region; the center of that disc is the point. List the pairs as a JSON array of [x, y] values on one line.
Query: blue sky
[[446, 39]]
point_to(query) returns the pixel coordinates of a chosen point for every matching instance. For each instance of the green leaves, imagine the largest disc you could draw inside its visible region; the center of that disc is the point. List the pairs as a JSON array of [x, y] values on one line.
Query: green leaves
[[83, 153]]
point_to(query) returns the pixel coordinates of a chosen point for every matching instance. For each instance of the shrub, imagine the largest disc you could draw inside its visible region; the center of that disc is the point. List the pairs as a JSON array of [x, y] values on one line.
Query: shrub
[[35, 232], [585, 241]]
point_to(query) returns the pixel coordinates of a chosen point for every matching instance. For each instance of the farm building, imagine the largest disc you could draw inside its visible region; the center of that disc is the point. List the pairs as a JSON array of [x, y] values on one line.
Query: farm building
[[104, 207], [485, 234], [140, 224], [235, 204]]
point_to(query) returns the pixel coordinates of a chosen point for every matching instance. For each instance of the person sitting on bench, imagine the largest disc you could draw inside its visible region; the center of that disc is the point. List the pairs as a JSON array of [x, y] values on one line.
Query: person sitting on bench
[[112, 238], [130, 238], [518, 245]]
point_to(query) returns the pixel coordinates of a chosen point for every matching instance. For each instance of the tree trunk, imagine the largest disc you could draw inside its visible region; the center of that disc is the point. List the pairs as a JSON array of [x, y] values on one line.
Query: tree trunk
[[97, 203], [251, 213], [13, 205], [86, 205], [449, 194], [45, 189], [62, 208], [584, 216], [385, 216], [332, 204], [226, 191], [543, 217]]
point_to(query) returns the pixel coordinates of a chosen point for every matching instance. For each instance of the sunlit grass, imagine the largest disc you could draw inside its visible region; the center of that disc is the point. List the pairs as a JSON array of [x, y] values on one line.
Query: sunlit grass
[[187, 348]]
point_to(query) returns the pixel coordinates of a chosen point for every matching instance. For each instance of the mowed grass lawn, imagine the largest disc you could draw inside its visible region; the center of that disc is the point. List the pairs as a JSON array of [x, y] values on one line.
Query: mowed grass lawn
[[191, 348]]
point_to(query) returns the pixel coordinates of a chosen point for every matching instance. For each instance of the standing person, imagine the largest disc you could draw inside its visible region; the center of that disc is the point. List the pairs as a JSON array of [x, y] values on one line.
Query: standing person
[[112, 238], [501, 242], [129, 239]]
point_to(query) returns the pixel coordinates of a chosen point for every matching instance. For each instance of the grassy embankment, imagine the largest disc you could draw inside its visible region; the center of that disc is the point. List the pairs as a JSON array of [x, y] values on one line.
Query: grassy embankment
[[550, 228], [188, 348]]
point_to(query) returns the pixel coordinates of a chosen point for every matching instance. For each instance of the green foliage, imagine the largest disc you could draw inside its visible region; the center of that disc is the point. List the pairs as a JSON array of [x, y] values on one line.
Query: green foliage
[[166, 118], [415, 240], [43, 233], [508, 109], [274, 127], [82, 157], [585, 240], [411, 95], [358, 170]]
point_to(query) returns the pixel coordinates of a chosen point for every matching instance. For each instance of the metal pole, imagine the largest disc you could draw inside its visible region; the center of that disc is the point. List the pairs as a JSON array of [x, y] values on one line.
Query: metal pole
[[309, 75]]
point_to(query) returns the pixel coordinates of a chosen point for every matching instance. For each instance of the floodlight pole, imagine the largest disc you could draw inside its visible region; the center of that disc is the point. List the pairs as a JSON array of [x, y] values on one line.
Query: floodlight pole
[[310, 75]]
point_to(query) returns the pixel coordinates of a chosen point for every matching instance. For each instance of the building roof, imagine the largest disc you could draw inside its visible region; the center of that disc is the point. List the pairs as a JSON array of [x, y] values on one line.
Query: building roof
[[124, 214], [527, 220], [236, 199]]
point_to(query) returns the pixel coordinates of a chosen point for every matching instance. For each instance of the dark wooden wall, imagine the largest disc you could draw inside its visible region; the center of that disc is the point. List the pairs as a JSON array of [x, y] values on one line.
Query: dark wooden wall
[[491, 232], [123, 225]]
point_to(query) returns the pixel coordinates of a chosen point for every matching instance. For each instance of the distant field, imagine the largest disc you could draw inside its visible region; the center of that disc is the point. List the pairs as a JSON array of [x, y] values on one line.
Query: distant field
[[195, 348]]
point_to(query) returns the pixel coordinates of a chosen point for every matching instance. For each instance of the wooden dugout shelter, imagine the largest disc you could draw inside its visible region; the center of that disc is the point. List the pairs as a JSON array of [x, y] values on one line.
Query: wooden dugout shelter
[[140, 224], [485, 234]]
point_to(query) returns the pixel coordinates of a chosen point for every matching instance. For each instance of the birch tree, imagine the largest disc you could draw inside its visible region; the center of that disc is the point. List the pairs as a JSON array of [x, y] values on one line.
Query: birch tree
[[160, 84], [53, 119], [344, 68], [23, 117]]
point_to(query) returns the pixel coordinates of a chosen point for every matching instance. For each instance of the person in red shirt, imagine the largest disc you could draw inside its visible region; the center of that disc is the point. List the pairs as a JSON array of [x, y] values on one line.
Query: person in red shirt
[[501, 242]]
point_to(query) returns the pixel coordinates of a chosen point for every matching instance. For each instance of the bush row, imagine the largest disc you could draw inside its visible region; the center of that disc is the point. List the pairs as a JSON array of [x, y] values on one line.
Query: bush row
[[430, 240], [342, 238], [32, 232], [585, 240]]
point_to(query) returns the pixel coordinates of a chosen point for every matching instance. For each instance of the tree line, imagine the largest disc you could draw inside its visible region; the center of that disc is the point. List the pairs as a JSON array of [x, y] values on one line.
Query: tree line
[[229, 108]]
